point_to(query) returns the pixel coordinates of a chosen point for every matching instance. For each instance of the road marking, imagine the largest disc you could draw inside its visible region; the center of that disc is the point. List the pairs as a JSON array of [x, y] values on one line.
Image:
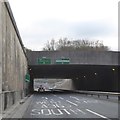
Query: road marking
[[73, 111], [35, 112], [47, 110], [44, 106], [57, 105], [74, 97], [61, 98], [39, 102], [54, 106], [97, 114], [81, 111], [66, 111], [46, 98], [71, 102], [60, 113], [61, 106], [85, 102]]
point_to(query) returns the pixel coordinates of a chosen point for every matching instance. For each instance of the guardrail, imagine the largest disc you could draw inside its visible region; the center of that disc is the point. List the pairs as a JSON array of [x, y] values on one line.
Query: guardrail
[[98, 93]]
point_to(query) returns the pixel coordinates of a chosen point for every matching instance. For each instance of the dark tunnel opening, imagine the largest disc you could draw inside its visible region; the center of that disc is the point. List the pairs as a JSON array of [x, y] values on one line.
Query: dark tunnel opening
[[84, 77]]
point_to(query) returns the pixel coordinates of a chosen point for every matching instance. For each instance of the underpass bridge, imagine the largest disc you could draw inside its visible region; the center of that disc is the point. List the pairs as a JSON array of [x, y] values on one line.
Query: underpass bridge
[[88, 70]]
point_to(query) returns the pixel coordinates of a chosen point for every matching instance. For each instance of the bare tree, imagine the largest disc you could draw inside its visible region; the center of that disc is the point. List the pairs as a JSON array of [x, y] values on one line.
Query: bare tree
[[50, 46], [81, 44]]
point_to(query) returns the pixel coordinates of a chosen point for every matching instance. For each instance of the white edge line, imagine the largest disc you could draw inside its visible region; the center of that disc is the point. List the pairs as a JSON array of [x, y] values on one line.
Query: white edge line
[[97, 114]]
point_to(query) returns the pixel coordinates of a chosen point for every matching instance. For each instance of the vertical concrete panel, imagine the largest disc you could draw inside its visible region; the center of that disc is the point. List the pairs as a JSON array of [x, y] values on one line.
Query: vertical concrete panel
[[0, 60], [4, 47], [0, 48]]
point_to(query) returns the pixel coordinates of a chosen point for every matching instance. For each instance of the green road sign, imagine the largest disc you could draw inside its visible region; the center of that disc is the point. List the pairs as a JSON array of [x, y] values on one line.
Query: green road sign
[[44, 60], [27, 77], [63, 61]]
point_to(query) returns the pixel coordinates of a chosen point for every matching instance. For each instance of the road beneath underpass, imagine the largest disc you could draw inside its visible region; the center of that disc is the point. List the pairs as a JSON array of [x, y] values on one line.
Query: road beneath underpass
[[70, 105]]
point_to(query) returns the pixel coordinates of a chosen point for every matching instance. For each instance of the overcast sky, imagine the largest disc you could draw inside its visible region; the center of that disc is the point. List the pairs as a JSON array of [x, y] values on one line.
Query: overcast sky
[[41, 20]]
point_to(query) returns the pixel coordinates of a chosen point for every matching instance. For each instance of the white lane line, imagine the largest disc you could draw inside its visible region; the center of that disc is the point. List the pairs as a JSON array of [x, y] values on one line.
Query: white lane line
[[61, 98], [85, 102], [74, 97], [66, 111], [73, 111], [71, 102], [81, 111], [97, 114]]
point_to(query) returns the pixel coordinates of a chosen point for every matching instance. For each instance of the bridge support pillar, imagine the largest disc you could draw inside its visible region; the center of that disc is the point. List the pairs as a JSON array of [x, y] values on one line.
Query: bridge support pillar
[[31, 86]]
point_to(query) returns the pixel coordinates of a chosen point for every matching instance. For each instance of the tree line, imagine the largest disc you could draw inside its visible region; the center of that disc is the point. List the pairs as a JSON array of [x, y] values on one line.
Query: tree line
[[80, 44]]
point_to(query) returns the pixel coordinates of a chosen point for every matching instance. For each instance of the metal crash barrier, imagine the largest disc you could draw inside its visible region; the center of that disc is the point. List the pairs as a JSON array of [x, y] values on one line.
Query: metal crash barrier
[[107, 94], [97, 93]]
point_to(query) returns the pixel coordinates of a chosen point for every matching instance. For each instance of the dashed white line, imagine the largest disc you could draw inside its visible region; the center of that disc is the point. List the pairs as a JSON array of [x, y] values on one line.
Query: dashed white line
[[71, 102], [61, 98], [74, 97], [97, 114]]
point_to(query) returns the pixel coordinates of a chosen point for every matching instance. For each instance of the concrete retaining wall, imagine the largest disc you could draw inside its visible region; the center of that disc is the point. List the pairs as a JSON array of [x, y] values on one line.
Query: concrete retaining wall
[[12, 58], [67, 84]]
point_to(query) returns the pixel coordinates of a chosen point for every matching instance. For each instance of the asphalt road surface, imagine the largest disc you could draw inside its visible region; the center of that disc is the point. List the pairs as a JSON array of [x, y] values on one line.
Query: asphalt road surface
[[70, 105]]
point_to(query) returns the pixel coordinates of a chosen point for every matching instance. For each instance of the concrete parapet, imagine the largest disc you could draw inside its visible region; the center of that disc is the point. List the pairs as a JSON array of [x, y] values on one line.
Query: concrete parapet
[[76, 57]]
